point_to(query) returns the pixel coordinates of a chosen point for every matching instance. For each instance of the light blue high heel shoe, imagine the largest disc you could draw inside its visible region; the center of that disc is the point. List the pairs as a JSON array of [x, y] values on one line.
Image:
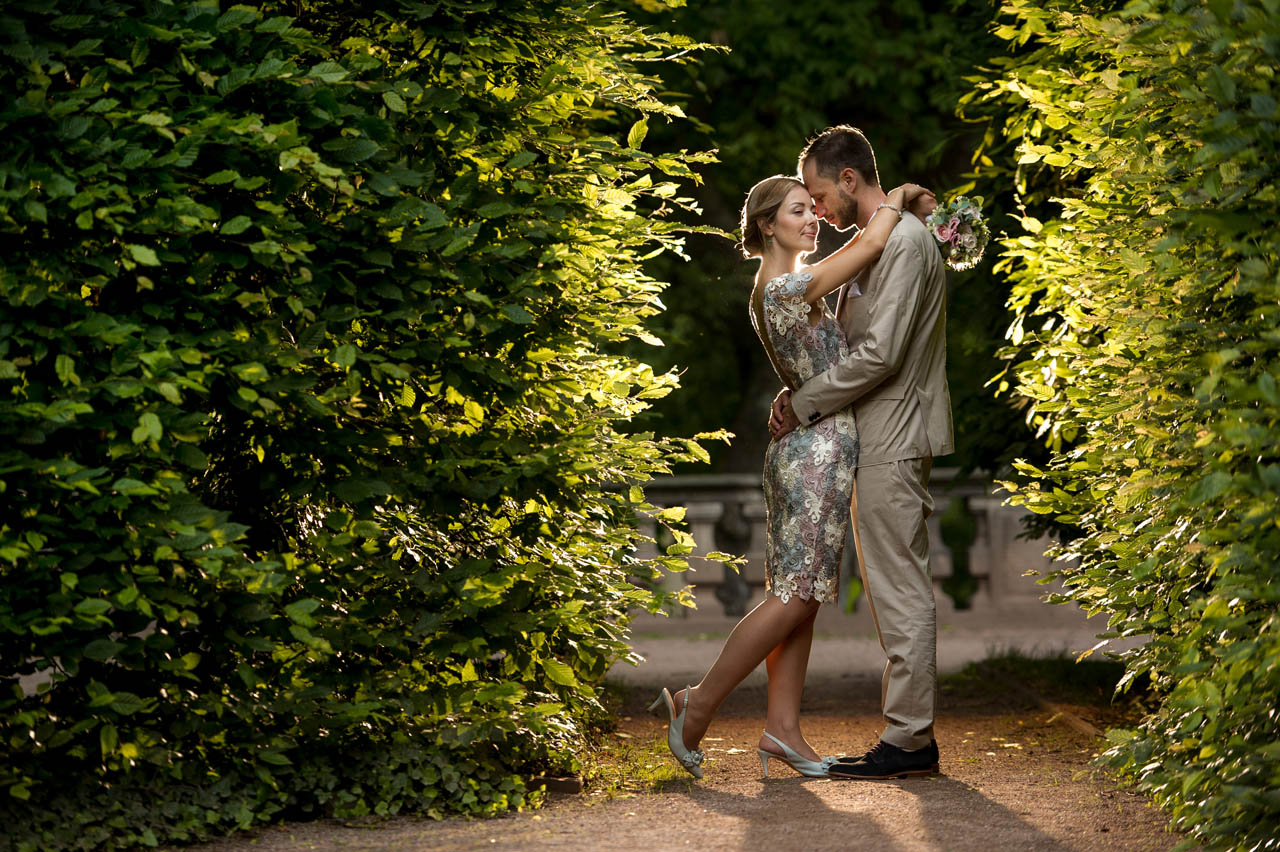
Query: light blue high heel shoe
[[806, 767], [690, 759]]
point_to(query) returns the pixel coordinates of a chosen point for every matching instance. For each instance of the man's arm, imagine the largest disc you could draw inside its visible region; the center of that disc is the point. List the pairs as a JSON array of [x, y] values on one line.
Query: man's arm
[[879, 354]]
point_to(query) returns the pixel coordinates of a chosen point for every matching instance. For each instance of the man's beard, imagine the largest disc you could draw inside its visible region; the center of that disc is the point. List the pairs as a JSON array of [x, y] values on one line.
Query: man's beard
[[848, 212]]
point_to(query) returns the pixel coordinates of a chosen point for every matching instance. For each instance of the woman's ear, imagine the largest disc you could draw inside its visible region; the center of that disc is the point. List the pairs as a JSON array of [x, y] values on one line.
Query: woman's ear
[[766, 227]]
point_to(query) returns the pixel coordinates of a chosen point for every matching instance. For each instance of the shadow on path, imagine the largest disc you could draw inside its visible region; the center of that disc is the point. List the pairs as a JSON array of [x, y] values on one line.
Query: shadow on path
[[801, 813], [790, 814], [957, 816]]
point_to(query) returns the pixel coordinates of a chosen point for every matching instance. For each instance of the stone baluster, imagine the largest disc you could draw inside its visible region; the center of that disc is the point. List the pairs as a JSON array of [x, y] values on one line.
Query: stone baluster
[[701, 517], [1011, 556], [983, 553], [733, 536], [753, 571], [728, 513], [647, 527]]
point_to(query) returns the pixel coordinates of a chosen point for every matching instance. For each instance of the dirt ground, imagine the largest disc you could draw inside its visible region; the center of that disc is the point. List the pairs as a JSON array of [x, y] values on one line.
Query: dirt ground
[[1014, 777]]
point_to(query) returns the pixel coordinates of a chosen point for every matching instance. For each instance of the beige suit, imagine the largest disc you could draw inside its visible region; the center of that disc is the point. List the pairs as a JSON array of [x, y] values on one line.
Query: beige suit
[[896, 379]]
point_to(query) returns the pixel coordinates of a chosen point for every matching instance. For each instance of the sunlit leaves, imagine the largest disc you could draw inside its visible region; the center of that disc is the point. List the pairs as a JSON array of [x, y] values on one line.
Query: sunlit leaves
[[312, 404], [1146, 342]]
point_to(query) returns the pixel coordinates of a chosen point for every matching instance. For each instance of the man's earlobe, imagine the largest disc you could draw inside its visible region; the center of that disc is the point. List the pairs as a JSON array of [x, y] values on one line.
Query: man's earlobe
[[849, 177]]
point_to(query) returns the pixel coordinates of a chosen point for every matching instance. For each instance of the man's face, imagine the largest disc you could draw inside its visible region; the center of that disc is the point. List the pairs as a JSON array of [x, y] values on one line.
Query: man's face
[[831, 202]]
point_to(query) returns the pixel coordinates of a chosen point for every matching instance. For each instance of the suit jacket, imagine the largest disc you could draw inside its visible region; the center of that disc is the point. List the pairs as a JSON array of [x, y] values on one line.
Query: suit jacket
[[895, 374]]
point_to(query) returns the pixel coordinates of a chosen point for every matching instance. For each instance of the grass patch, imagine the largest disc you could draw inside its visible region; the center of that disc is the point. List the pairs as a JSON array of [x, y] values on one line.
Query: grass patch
[[618, 765], [620, 768]]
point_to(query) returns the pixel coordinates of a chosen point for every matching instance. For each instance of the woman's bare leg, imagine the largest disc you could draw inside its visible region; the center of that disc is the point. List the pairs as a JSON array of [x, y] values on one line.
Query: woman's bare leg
[[755, 636], [788, 664]]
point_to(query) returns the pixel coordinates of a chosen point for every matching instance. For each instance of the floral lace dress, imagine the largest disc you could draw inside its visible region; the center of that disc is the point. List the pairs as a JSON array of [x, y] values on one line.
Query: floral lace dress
[[808, 474]]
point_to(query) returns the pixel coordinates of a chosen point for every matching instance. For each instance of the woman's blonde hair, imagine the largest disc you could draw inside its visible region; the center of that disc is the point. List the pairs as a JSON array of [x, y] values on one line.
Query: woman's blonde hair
[[762, 205]]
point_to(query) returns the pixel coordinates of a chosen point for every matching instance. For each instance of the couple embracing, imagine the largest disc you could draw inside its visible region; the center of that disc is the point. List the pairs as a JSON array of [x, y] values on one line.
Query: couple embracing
[[864, 411]]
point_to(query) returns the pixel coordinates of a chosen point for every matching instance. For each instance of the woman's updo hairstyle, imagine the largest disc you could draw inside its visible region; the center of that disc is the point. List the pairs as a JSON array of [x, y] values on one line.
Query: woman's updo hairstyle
[[762, 205]]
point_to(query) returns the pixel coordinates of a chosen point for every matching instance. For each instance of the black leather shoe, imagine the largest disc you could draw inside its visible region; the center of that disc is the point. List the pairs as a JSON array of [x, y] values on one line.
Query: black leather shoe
[[933, 751], [886, 761]]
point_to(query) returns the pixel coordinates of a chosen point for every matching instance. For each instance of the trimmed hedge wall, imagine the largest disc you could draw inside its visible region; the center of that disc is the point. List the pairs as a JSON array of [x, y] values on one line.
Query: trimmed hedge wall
[[307, 413], [1147, 342]]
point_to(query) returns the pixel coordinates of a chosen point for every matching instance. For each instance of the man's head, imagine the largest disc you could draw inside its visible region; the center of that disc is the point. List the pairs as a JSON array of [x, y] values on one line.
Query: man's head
[[838, 168]]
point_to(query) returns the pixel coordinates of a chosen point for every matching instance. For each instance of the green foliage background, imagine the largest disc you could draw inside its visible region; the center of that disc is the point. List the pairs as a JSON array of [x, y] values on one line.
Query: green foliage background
[[1147, 336], [308, 422]]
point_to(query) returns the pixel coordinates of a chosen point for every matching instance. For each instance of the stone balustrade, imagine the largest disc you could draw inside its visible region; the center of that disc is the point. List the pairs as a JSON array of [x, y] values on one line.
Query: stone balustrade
[[979, 561]]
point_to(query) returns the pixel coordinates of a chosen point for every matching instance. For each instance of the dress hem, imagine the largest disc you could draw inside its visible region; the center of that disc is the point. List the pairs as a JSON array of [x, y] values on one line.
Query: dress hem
[[820, 600]]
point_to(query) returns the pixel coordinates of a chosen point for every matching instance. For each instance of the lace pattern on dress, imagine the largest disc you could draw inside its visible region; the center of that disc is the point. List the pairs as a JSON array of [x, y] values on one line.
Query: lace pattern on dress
[[808, 476], [786, 292]]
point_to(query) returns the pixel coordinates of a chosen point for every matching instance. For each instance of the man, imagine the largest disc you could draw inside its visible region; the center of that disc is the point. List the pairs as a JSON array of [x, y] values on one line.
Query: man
[[894, 317]]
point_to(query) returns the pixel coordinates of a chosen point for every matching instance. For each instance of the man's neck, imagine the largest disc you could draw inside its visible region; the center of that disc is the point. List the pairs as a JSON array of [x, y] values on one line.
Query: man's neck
[[868, 200]]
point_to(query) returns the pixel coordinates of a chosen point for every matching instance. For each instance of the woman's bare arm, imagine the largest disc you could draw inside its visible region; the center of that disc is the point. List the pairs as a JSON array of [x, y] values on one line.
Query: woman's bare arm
[[862, 250]]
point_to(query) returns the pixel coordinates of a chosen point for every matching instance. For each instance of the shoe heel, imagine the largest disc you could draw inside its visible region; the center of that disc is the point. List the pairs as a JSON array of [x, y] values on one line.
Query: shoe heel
[[663, 700], [807, 768]]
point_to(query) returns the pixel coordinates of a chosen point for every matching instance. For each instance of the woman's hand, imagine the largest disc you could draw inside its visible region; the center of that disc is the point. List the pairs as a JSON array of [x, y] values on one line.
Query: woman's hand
[[915, 199], [923, 205], [854, 256]]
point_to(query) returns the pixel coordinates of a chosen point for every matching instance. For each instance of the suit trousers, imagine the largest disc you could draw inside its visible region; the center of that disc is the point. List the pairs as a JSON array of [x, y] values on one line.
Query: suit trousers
[[890, 504]]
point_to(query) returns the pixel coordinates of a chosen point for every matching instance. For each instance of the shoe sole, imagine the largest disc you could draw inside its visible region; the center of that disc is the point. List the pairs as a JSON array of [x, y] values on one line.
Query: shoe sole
[[906, 773]]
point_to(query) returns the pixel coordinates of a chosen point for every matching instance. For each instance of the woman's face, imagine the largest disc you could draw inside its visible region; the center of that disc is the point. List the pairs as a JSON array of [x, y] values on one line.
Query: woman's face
[[795, 227]]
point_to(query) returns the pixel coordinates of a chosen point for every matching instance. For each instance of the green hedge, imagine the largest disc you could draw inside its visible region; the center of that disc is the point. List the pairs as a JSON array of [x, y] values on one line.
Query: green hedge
[[1147, 335], [307, 418]]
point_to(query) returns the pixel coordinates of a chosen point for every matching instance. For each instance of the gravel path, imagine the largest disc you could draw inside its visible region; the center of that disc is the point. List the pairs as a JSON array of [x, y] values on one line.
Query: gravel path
[[1014, 778]]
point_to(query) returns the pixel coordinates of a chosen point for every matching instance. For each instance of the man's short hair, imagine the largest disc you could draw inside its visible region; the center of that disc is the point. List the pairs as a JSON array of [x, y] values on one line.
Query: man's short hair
[[838, 148]]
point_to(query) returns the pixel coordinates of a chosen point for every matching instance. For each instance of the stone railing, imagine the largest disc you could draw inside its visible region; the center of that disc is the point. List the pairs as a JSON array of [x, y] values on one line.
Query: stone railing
[[978, 560]]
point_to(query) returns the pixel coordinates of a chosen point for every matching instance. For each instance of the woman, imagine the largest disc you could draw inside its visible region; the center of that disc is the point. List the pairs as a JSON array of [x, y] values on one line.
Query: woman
[[808, 474]]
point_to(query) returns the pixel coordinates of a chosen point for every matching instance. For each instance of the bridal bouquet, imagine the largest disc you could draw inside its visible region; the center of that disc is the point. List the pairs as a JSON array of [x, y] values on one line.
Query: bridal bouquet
[[959, 226]]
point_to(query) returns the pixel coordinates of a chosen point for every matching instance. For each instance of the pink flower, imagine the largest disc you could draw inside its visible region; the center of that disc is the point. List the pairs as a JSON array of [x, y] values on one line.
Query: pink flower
[[946, 232]]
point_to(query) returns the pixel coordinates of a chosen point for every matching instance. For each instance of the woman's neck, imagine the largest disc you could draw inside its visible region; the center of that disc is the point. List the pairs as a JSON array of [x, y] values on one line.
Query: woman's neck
[[775, 263]]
